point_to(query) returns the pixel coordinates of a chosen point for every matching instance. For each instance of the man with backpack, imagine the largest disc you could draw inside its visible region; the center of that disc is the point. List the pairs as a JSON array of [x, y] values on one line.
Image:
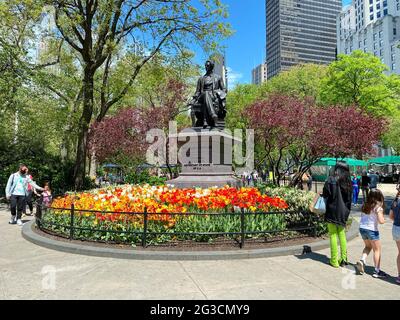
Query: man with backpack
[[16, 192]]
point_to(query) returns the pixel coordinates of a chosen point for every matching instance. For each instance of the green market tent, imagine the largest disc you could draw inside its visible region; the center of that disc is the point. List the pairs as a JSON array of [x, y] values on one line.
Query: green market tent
[[385, 160], [320, 170], [350, 161]]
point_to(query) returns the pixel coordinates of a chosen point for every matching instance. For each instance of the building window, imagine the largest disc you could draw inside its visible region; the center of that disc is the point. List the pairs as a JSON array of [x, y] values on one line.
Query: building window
[[378, 6], [371, 1], [381, 43], [394, 31], [371, 17], [378, 15], [380, 34], [375, 46], [375, 53], [381, 52], [393, 66], [375, 36], [393, 57], [371, 9], [359, 44]]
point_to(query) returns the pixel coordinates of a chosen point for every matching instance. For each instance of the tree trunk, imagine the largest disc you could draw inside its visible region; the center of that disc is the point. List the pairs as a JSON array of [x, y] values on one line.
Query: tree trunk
[[93, 165], [81, 155]]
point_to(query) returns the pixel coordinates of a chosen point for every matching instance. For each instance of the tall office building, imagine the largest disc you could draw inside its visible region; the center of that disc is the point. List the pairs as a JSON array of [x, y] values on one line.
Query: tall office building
[[220, 67], [259, 74], [300, 31], [372, 26]]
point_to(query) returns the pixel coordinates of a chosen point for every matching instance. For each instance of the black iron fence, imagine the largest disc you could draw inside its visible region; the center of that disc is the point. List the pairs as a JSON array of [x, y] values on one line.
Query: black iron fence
[[308, 223]]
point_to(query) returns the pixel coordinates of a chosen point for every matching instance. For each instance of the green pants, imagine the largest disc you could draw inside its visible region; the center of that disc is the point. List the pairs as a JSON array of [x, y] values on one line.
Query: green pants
[[336, 232]]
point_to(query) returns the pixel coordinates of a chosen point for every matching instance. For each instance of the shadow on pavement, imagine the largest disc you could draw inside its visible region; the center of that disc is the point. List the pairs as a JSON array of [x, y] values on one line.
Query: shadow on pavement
[[369, 270], [313, 256]]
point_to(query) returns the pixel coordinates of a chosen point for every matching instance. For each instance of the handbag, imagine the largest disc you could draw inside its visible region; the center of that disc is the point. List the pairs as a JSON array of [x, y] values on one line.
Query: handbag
[[319, 206]]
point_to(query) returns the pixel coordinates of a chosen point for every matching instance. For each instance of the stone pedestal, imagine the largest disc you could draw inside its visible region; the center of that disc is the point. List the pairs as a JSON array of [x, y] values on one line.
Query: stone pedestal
[[206, 157]]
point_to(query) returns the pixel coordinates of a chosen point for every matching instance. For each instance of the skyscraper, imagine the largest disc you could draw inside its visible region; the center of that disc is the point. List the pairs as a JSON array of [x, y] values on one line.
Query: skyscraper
[[259, 74], [220, 67], [372, 26], [300, 31]]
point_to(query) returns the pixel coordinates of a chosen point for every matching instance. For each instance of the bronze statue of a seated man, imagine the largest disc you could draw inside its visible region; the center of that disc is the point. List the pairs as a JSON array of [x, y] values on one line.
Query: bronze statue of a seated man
[[209, 102]]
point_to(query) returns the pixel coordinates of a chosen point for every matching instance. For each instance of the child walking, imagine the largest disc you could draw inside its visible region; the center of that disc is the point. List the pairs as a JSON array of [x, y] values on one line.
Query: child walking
[[46, 196], [371, 217], [395, 216]]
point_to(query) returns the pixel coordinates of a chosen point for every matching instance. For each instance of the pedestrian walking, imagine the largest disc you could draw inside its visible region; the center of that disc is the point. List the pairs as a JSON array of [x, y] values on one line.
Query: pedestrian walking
[[16, 191], [374, 180], [371, 217], [356, 188], [29, 196], [249, 179], [337, 192], [365, 180], [395, 217], [255, 177]]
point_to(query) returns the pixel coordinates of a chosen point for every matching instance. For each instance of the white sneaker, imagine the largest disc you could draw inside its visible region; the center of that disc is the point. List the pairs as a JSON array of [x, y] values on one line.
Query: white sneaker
[[12, 221], [361, 267], [19, 222]]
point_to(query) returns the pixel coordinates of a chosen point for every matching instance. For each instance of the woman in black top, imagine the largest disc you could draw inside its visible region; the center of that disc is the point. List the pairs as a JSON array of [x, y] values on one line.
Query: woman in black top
[[337, 193]]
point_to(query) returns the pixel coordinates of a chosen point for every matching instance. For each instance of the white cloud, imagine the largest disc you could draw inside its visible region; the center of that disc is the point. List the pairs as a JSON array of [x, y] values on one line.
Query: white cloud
[[233, 77]]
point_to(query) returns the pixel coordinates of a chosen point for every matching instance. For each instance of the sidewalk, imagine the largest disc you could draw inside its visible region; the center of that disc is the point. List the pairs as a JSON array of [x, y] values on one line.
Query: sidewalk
[[31, 272]]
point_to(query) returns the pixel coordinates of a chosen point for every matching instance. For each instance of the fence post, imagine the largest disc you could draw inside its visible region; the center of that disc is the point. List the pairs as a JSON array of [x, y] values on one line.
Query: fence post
[[71, 226], [242, 226], [316, 186], [144, 238]]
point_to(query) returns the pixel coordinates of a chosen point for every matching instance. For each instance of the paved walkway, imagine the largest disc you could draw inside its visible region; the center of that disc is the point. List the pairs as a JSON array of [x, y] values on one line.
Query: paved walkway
[[31, 272]]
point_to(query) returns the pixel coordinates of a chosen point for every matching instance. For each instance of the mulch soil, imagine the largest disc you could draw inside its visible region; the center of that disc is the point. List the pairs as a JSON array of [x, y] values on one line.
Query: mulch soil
[[219, 244]]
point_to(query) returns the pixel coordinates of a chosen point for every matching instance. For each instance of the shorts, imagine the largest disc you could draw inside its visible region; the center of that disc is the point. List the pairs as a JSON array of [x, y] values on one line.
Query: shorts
[[396, 233], [369, 235]]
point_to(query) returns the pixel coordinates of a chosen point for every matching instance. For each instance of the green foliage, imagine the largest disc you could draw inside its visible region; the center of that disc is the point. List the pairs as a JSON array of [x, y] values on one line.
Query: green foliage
[[391, 137], [237, 100], [298, 201], [43, 166], [301, 81], [144, 177], [359, 79]]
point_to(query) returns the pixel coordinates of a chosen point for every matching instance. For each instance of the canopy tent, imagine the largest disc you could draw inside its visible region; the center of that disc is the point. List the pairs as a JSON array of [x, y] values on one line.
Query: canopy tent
[[144, 166], [320, 170], [111, 165], [350, 161], [395, 160]]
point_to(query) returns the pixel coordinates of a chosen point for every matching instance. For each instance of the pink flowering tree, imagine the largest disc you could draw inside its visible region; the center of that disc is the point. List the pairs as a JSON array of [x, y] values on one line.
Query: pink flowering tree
[[295, 134], [124, 134]]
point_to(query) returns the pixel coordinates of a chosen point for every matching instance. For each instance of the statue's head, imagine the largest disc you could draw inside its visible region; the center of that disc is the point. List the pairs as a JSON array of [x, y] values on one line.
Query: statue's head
[[210, 66]]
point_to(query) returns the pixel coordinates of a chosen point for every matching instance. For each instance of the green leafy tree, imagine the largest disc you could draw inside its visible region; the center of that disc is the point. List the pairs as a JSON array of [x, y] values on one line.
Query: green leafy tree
[[98, 31], [242, 96], [359, 79], [301, 81]]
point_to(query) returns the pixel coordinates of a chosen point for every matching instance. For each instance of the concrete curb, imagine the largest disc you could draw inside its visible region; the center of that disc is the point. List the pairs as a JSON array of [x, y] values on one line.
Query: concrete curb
[[30, 235]]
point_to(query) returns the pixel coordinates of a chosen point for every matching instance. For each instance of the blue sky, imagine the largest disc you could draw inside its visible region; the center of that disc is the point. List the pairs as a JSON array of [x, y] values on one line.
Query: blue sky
[[246, 48]]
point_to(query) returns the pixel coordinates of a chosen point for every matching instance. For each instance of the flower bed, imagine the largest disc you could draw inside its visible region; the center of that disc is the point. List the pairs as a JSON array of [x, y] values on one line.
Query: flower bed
[[168, 213]]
